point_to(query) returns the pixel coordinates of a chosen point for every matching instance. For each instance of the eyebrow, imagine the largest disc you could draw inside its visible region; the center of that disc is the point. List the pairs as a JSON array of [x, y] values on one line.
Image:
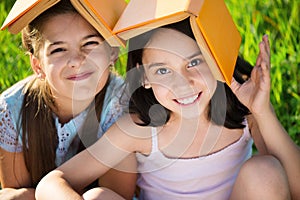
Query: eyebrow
[[85, 38], [162, 64], [93, 35], [156, 65], [194, 55]]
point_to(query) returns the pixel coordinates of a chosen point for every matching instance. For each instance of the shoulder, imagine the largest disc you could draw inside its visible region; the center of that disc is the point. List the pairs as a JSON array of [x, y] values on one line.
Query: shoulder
[[114, 103], [12, 98], [11, 101], [15, 90], [116, 83], [114, 92], [129, 134]]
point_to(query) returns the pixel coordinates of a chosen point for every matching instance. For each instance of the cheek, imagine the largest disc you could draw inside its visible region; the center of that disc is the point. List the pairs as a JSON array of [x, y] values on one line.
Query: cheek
[[102, 78], [211, 86], [101, 59], [209, 80], [51, 71], [161, 93]]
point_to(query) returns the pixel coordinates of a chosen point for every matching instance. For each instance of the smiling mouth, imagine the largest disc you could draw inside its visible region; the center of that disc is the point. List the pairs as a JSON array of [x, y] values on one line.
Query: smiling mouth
[[78, 77], [189, 100]]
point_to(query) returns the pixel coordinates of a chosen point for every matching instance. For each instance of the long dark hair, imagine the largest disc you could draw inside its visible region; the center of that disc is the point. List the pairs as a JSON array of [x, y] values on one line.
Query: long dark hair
[[40, 138], [224, 108]]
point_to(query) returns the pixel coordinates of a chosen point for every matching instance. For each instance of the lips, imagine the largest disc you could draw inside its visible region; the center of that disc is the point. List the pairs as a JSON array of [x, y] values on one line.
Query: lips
[[78, 77], [188, 100]]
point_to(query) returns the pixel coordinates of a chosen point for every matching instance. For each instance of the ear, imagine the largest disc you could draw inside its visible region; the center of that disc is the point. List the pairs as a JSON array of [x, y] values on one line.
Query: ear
[[146, 83], [36, 66]]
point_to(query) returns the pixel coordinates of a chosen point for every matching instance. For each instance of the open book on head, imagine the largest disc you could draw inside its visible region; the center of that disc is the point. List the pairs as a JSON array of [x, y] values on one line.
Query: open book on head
[[102, 14], [210, 20]]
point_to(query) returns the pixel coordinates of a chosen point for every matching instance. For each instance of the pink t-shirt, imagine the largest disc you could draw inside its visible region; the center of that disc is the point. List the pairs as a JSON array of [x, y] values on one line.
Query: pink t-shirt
[[206, 177]]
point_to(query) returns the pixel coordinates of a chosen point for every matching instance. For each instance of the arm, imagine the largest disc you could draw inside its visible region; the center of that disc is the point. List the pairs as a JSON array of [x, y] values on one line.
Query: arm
[[256, 135], [255, 94], [121, 179], [66, 182], [14, 177]]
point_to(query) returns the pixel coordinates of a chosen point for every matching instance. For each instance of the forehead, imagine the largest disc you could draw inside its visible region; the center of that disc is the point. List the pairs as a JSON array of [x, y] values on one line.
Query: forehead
[[172, 41], [66, 26]]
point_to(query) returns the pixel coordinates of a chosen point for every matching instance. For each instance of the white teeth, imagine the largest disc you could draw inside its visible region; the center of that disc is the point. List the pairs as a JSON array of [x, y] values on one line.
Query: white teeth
[[187, 100]]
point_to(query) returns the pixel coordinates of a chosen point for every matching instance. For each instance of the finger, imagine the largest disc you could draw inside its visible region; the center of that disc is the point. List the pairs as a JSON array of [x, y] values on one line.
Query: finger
[[234, 85], [254, 73], [265, 57], [267, 42], [265, 73], [260, 54], [259, 59]]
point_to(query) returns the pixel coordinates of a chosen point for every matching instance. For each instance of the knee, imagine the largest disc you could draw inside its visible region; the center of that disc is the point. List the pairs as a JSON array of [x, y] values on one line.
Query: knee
[[264, 168], [101, 193], [264, 176]]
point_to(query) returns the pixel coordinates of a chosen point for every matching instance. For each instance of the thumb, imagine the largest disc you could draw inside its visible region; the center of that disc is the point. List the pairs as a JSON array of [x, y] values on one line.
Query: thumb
[[234, 85]]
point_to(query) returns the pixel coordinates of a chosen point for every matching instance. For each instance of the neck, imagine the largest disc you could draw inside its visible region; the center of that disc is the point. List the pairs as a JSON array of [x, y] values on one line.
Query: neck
[[70, 108], [188, 138]]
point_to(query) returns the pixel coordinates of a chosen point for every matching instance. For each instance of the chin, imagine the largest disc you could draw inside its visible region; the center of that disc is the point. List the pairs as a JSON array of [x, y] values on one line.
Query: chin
[[191, 113], [83, 95]]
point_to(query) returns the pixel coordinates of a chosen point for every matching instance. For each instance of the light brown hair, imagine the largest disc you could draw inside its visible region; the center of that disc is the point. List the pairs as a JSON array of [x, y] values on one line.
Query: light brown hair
[[40, 138]]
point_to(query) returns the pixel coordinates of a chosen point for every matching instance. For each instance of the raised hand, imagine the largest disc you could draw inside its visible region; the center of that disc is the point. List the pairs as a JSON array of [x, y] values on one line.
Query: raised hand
[[255, 93]]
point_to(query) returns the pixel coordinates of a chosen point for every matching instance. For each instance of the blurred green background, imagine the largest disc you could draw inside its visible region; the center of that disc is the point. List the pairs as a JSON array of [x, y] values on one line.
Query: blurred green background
[[254, 18]]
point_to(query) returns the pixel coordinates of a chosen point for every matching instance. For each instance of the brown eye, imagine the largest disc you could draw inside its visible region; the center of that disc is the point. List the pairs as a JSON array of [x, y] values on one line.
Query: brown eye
[[57, 50], [91, 43]]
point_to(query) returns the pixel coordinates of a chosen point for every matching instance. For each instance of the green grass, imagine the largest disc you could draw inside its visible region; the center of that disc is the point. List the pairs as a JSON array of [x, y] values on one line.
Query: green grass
[[14, 64], [254, 18], [279, 19]]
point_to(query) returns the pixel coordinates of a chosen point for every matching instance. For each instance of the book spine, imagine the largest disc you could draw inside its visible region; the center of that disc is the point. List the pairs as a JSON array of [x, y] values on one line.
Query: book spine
[[194, 6]]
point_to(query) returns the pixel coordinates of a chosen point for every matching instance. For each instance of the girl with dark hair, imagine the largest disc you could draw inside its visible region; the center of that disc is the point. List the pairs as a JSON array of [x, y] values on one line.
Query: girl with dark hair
[[190, 132], [72, 99]]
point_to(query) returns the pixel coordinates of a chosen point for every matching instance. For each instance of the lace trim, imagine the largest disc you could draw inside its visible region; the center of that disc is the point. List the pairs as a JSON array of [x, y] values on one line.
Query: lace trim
[[8, 134]]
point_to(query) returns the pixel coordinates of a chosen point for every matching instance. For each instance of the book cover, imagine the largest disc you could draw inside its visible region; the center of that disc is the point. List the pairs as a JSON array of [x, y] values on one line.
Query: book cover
[[152, 15], [103, 15], [221, 35], [23, 12]]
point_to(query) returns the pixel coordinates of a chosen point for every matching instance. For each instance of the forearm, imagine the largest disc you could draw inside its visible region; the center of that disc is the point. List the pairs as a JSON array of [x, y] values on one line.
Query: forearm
[[280, 145], [54, 182], [277, 140], [17, 194]]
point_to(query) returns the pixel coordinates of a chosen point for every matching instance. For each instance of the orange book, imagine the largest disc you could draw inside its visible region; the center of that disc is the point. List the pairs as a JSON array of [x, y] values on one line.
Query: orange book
[[211, 22], [23, 12], [102, 14]]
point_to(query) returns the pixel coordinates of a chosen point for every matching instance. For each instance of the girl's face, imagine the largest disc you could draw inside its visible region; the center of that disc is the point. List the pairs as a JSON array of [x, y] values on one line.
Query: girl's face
[[178, 74], [74, 58]]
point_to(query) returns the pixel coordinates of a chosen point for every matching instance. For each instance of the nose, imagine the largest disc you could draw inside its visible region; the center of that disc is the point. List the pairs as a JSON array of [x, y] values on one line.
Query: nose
[[183, 81], [76, 59], [184, 77]]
